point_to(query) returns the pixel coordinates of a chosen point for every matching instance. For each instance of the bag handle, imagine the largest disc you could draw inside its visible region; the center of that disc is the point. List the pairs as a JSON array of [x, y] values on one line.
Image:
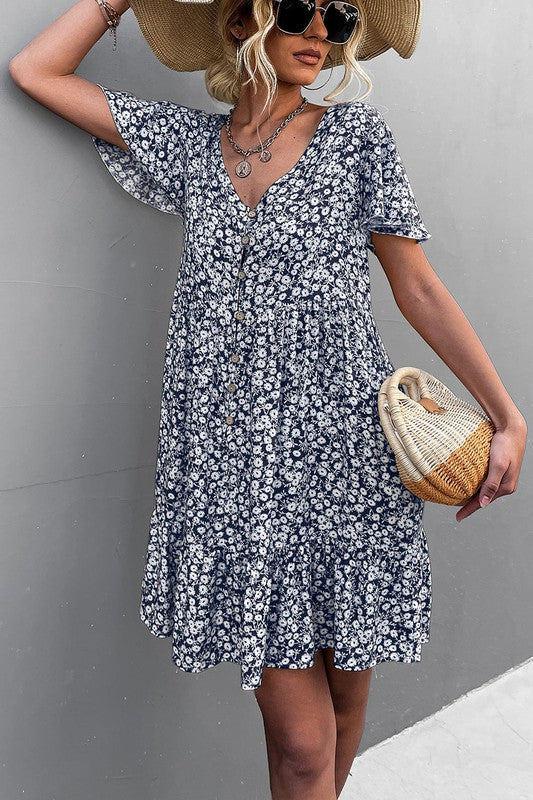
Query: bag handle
[[417, 386], [391, 415]]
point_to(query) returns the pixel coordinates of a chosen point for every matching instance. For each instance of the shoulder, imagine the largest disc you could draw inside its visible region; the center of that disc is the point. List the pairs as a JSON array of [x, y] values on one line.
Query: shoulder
[[365, 121], [185, 114], [197, 120], [185, 123]]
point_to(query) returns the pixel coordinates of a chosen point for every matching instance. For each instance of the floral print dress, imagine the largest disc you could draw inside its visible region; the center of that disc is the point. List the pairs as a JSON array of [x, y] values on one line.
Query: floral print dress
[[280, 524]]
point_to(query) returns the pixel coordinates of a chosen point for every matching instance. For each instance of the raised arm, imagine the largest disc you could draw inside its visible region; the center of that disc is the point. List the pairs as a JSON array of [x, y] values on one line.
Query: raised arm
[[44, 69]]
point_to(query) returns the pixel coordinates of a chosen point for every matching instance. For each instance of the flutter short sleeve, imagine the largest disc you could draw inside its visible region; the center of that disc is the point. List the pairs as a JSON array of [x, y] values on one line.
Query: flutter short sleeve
[[388, 202], [153, 168]]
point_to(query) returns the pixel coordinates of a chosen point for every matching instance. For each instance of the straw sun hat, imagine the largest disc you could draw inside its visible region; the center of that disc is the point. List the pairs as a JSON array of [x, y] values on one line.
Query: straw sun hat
[[183, 33]]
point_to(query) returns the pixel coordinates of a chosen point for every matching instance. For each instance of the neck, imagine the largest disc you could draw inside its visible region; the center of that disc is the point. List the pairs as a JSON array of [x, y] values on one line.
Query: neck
[[249, 110]]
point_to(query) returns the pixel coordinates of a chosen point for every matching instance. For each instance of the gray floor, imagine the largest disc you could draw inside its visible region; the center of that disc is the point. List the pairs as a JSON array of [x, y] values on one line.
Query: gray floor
[[477, 748]]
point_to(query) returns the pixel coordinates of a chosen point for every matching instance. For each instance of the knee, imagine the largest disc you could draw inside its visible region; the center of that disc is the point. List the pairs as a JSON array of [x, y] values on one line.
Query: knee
[[305, 754]]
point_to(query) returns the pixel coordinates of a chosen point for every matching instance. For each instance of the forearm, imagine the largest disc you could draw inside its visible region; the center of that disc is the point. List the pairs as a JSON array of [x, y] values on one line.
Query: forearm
[[437, 317], [61, 47]]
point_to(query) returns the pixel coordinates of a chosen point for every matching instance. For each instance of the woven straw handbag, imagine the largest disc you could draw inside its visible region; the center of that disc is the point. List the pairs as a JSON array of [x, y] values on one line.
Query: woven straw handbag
[[441, 443]]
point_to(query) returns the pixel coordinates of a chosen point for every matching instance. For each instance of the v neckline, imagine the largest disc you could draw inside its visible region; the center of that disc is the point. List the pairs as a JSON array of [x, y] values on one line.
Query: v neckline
[[232, 191]]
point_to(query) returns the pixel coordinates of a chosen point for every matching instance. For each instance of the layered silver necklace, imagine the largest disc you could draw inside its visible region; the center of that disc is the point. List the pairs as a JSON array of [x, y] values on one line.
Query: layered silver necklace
[[244, 167]]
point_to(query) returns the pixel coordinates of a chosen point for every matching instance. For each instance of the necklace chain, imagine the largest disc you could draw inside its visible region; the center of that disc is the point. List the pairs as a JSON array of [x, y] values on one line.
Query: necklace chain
[[243, 168]]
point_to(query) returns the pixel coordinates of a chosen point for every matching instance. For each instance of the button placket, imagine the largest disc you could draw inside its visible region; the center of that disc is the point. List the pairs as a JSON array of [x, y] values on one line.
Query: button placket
[[239, 315]]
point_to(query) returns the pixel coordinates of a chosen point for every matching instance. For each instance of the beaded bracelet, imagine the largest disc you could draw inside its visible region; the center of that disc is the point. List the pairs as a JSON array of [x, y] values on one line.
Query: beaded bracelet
[[112, 17]]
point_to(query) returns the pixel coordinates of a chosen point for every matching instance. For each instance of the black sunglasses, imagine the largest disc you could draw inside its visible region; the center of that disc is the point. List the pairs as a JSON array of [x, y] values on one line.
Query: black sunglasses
[[339, 17]]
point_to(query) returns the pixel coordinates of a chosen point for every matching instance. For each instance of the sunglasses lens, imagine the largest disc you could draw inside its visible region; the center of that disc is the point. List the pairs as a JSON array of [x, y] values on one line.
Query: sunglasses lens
[[294, 16], [340, 19]]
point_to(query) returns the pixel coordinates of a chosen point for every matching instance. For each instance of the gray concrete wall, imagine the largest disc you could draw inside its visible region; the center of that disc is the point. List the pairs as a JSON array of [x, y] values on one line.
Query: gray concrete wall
[[92, 706]]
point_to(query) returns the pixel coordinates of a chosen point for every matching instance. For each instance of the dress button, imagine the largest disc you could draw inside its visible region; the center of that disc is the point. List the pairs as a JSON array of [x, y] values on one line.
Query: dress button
[[231, 387], [252, 212], [245, 239], [230, 420], [242, 274], [234, 357], [239, 315]]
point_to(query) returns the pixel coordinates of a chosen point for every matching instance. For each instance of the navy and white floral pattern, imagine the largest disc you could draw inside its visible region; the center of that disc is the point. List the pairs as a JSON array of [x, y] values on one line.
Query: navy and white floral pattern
[[280, 524]]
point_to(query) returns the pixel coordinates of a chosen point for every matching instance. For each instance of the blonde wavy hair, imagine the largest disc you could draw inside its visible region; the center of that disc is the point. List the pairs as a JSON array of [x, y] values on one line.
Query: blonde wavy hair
[[223, 76]]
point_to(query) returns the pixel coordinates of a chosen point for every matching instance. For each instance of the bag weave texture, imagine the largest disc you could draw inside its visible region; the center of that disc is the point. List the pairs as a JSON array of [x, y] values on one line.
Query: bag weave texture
[[441, 443]]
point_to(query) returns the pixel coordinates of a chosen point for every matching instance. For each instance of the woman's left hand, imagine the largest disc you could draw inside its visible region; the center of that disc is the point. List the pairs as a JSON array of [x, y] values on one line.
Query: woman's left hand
[[505, 461]]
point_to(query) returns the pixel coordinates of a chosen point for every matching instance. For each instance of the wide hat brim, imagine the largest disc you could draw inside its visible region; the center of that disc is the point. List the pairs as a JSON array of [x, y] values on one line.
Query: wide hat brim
[[183, 35]]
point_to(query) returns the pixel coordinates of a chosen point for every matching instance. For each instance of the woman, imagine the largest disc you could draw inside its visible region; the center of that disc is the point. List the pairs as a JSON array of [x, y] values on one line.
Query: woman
[[281, 537]]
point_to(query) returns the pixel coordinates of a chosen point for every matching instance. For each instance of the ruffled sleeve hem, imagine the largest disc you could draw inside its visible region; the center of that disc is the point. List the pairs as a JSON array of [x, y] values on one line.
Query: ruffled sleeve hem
[[379, 223], [152, 169], [388, 202]]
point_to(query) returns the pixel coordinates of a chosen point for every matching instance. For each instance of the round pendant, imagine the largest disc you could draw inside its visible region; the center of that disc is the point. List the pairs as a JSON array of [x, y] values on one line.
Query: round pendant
[[243, 169], [266, 155]]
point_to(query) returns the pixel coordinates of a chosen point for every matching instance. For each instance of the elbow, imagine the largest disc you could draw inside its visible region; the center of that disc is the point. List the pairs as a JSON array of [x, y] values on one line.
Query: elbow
[[20, 72], [415, 284], [414, 295], [16, 69]]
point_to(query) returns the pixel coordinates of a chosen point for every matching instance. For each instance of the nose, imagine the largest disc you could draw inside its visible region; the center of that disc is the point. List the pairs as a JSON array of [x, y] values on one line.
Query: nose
[[318, 24]]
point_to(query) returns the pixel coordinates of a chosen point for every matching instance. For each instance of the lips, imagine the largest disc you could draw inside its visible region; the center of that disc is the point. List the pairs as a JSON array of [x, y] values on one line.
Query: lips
[[308, 52], [308, 57]]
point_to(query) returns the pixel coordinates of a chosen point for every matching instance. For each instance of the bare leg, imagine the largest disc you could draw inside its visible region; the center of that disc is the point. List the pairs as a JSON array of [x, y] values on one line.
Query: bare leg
[[349, 694], [301, 731]]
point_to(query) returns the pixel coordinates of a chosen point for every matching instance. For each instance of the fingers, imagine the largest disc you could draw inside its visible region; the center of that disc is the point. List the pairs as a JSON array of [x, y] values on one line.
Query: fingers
[[468, 508], [492, 483], [505, 458], [491, 488]]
